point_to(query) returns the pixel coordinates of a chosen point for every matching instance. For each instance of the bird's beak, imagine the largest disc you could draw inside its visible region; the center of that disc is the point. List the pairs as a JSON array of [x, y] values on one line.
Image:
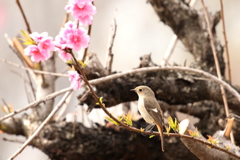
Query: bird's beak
[[133, 90]]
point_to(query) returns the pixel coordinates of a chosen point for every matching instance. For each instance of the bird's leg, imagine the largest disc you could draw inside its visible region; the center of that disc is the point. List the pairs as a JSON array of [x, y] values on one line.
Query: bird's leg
[[149, 128]]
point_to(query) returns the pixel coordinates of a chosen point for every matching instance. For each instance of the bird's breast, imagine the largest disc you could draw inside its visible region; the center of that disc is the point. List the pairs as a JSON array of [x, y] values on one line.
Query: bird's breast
[[146, 116]]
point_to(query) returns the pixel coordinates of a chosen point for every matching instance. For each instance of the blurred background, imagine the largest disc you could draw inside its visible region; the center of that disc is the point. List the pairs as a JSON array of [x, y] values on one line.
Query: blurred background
[[139, 32]]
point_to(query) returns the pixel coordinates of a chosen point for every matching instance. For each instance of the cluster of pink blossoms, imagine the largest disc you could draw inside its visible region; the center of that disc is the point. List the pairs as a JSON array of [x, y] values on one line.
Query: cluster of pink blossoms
[[81, 10], [42, 50], [71, 37]]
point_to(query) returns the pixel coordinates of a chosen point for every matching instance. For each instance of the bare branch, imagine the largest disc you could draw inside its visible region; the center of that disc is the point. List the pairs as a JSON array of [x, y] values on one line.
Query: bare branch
[[20, 48], [13, 140], [117, 75], [226, 43], [66, 19], [172, 43], [24, 16], [34, 70], [61, 112], [36, 103], [216, 62], [187, 24], [169, 50], [176, 68], [25, 86], [49, 117], [89, 33], [110, 45], [11, 44]]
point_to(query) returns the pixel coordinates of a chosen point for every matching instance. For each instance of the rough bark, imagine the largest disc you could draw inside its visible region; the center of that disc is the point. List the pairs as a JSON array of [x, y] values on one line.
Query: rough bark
[[58, 142], [190, 27], [169, 86]]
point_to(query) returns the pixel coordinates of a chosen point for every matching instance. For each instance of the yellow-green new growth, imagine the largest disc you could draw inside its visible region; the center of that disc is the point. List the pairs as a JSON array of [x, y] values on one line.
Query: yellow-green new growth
[[212, 140], [173, 124], [167, 129], [141, 129], [101, 101], [127, 119], [27, 39], [194, 133], [82, 63], [111, 120], [151, 136]]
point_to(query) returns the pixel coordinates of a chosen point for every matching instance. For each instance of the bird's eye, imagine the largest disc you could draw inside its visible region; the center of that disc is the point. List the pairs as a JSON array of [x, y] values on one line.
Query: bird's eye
[[140, 90]]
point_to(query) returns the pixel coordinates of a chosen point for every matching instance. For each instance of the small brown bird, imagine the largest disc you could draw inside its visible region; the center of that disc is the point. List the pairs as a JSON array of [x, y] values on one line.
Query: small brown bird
[[150, 109]]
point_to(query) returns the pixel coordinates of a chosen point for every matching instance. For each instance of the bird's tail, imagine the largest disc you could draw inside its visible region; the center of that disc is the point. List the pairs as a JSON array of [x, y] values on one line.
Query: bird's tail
[[160, 130]]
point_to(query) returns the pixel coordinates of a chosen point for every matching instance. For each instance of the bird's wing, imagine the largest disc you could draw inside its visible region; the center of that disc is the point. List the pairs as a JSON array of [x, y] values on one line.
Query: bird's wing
[[156, 113]]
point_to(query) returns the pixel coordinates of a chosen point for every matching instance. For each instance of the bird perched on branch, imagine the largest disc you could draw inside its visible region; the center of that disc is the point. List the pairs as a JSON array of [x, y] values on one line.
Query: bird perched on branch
[[150, 109]]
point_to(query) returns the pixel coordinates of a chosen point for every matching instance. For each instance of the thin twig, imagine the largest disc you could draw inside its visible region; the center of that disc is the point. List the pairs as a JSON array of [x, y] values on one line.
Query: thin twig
[[34, 70], [36, 103], [9, 109], [24, 16], [11, 45], [7, 106], [60, 113], [110, 45], [226, 43], [65, 19], [216, 63], [86, 49], [20, 48], [19, 75], [169, 50], [12, 140], [89, 33], [25, 81], [201, 79], [54, 111], [26, 90]]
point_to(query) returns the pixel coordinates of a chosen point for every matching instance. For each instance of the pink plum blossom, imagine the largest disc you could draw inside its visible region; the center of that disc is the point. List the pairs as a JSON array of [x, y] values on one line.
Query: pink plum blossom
[[60, 42], [70, 24], [72, 37], [42, 50], [76, 85], [64, 55], [74, 78], [82, 10], [36, 53], [77, 39], [37, 37], [46, 44], [61, 47]]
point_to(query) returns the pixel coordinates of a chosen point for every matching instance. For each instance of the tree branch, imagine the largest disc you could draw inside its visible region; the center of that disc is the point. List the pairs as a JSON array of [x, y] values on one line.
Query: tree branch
[[24, 16], [169, 85], [49, 117], [186, 24], [36, 103]]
